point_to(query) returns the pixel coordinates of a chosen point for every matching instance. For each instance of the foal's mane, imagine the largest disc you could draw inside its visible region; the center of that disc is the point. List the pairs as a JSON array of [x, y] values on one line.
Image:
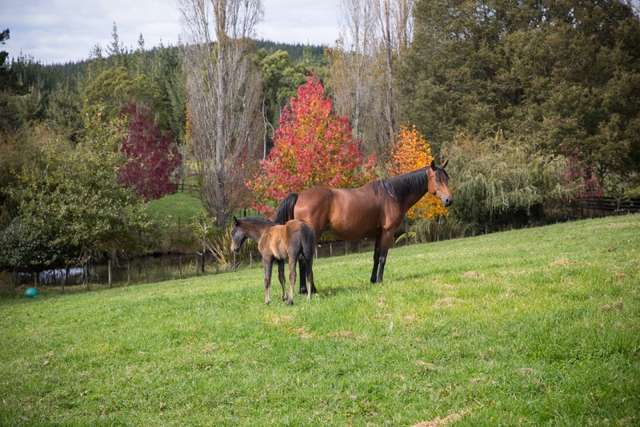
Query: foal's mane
[[256, 220]]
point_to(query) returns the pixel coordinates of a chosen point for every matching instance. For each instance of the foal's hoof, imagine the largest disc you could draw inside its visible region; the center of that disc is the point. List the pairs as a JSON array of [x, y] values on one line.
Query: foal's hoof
[[303, 291], [289, 302]]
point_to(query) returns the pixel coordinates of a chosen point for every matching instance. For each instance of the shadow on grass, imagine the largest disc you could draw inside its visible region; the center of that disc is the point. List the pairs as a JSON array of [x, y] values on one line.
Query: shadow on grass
[[335, 290]]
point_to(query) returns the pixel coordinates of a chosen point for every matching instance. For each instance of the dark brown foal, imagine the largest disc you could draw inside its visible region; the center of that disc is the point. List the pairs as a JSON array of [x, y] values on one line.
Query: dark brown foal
[[293, 241]]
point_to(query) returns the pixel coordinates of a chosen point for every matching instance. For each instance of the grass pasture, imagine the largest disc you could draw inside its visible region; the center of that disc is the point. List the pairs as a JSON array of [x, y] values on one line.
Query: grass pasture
[[527, 327]]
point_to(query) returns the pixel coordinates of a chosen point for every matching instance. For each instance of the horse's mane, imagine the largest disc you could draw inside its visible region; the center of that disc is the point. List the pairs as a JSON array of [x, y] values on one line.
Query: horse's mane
[[401, 186]]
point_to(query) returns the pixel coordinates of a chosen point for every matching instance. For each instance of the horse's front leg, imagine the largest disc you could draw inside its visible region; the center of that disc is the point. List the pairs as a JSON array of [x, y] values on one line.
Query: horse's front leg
[[386, 240], [281, 278], [376, 260], [268, 264]]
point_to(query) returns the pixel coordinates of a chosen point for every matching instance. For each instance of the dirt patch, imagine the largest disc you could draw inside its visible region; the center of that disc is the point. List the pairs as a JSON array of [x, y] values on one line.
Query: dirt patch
[[427, 365], [525, 371], [409, 318], [446, 302], [471, 275], [618, 305], [439, 422], [208, 348], [276, 320], [302, 333], [561, 262], [341, 334]]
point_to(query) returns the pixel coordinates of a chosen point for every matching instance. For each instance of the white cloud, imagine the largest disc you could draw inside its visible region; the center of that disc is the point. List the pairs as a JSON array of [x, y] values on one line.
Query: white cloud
[[59, 31]]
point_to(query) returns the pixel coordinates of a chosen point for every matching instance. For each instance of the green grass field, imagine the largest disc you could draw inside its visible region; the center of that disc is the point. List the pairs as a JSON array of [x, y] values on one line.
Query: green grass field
[[528, 327], [177, 208]]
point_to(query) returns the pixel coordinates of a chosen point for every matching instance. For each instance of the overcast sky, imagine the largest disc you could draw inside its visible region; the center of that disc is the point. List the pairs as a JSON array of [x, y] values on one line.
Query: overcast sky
[[65, 30]]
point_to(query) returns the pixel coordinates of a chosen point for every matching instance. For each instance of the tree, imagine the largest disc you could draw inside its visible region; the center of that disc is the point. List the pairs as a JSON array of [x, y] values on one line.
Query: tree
[[280, 79], [111, 90], [561, 75], [410, 152], [70, 206], [312, 146], [363, 68], [152, 159], [501, 181], [224, 97]]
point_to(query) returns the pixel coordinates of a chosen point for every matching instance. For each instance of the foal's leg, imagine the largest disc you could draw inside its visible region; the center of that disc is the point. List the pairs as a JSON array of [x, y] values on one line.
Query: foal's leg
[[292, 276], [376, 259], [281, 278], [312, 285], [267, 262]]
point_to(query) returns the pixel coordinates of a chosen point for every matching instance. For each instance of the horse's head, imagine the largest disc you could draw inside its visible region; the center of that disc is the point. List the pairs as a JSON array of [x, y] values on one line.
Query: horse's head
[[238, 235], [438, 182]]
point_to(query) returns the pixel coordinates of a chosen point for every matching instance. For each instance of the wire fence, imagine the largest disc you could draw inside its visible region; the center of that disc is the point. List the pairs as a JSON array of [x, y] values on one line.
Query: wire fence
[[161, 267]]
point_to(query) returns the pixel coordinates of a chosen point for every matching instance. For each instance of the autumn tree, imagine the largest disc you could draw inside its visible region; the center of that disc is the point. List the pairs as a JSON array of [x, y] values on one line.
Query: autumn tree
[[410, 152], [312, 146], [152, 158]]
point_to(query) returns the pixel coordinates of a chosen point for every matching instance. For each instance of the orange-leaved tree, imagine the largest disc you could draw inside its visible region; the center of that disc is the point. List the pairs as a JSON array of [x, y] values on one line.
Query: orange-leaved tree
[[410, 152], [312, 146]]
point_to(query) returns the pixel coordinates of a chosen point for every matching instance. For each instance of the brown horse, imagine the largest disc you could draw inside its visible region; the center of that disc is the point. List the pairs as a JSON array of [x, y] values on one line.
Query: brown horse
[[293, 241], [374, 210]]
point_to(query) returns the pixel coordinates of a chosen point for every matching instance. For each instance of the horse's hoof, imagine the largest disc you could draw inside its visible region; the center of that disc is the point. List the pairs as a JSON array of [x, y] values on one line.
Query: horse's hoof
[[289, 302], [303, 291]]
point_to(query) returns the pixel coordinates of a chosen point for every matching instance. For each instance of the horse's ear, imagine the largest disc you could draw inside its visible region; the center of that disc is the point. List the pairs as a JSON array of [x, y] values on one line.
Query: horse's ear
[[433, 164], [444, 165]]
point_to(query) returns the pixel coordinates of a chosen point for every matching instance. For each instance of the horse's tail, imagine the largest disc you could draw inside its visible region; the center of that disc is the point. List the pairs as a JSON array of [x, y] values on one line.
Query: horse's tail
[[284, 212]]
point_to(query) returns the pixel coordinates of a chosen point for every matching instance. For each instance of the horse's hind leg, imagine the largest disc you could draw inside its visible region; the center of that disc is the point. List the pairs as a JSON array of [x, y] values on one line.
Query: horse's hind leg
[[303, 275], [282, 279]]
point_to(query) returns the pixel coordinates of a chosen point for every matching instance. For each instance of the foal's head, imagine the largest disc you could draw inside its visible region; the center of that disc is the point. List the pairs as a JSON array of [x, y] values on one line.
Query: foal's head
[[438, 183], [238, 235]]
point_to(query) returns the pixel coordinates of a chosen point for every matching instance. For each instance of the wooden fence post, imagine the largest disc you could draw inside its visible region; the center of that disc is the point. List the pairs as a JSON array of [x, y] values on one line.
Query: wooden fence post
[[109, 271]]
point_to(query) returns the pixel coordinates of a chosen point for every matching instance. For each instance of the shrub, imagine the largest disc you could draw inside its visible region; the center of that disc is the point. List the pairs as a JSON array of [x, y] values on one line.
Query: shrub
[[497, 181]]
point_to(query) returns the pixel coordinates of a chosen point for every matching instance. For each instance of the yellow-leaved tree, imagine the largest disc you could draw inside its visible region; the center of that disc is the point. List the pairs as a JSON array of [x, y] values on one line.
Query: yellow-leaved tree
[[410, 152]]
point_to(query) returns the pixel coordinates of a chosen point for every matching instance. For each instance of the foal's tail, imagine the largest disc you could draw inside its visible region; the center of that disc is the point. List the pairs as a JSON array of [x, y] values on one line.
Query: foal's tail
[[284, 212]]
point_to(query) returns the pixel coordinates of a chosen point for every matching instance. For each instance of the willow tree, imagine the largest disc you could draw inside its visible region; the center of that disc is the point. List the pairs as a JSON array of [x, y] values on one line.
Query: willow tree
[[223, 96]]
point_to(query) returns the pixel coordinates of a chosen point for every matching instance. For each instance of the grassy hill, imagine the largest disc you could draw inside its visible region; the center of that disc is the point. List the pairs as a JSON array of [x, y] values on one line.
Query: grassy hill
[[536, 326]]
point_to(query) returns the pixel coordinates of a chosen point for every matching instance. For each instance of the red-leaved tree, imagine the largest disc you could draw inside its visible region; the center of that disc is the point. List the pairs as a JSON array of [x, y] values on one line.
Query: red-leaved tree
[[312, 146], [152, 157]]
